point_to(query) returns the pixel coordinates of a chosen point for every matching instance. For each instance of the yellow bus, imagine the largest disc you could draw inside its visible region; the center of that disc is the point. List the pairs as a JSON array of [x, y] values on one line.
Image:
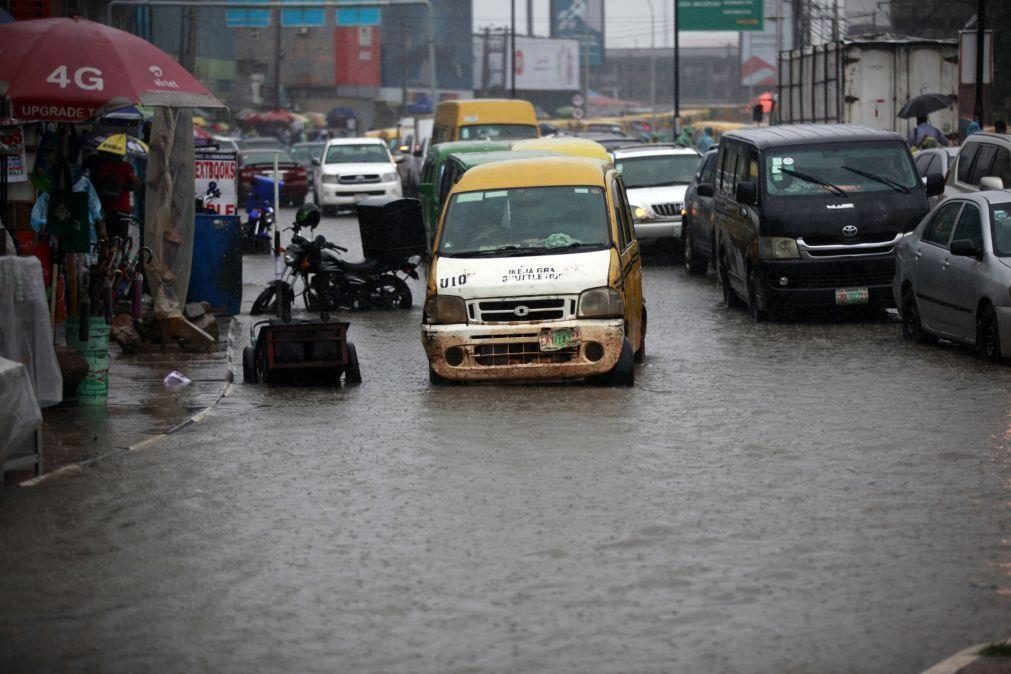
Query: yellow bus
[[484, 119]]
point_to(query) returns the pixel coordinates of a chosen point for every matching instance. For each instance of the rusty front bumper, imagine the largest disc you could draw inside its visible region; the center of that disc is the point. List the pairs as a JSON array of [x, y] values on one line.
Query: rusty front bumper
[[514, 351]]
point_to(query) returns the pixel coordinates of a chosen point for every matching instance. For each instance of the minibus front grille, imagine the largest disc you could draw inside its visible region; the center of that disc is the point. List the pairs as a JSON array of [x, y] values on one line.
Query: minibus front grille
[[669, 209], [522, 309], [521, 353], [854, 279], [359, 179], [808, 250]]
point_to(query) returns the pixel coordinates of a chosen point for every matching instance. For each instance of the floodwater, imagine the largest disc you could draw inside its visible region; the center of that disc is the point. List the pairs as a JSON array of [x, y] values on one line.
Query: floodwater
[[794, 497]]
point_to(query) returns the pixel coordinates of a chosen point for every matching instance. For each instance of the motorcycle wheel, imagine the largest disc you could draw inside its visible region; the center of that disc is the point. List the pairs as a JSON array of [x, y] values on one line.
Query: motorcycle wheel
[[265, 303], [352, 372], [391, 292]]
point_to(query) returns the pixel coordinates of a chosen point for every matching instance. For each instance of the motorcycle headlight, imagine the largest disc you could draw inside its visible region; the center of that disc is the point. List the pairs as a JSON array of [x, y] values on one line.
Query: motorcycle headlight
[[601, 303], [389, 177], [331, 179], [445, 310], [288, 258], [640, 213], [777, 248]]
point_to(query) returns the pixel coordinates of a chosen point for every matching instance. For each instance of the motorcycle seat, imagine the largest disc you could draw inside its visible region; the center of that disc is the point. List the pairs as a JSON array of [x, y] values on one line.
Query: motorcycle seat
[[365, 267]]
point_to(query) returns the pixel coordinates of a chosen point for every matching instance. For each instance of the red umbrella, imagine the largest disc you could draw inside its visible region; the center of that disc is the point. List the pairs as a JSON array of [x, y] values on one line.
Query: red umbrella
[[69, 70]]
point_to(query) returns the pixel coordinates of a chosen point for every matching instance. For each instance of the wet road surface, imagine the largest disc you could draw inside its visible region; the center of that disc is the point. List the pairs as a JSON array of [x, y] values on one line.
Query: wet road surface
[[799, 497]]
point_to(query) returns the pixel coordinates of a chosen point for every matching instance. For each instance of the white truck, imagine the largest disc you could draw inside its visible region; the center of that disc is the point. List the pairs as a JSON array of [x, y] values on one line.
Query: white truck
[[867, 81]]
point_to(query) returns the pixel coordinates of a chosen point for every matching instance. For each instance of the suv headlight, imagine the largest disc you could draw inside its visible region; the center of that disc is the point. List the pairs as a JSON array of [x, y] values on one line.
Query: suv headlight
[[777, 248], [641, 213], [388, 177], [332, 179], [445, 310], [601, 303]]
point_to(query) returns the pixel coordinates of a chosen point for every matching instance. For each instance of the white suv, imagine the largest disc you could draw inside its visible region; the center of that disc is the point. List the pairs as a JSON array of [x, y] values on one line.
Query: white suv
[[983, 163], [352, 169], [656, 178]]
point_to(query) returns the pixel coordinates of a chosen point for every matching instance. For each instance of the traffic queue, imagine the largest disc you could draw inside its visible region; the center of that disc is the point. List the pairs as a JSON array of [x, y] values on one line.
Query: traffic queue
[[534, 244]]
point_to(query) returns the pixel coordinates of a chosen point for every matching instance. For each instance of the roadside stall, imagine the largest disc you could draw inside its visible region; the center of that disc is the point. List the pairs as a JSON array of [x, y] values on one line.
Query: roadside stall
[[63, 98]]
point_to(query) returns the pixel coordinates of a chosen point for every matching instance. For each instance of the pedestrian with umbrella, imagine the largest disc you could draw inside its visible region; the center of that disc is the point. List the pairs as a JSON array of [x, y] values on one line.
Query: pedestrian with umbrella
[[114, 178], [920, 107]]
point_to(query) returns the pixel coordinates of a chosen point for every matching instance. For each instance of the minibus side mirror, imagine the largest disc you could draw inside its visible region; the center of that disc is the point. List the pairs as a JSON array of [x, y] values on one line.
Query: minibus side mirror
[[934, 184], [964, 248], [991, 183], [746, 193], [705, 190]]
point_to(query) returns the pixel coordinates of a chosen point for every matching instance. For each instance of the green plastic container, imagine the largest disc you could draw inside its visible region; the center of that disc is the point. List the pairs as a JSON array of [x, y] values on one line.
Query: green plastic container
[[94, 389]]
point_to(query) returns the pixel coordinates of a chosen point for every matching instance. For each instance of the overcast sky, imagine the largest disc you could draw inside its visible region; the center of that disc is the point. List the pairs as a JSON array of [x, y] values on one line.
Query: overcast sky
[[627, 22]]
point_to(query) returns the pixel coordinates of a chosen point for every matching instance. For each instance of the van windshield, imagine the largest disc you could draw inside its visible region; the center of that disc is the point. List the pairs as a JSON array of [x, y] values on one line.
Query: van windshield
[[1000, 222], [370, 153], [525, 221], [495, 131], [671, 169], [840, 169]]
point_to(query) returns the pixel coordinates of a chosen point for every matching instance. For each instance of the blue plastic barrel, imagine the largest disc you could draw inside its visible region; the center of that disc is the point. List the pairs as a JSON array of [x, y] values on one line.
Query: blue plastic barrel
[[216, 276]]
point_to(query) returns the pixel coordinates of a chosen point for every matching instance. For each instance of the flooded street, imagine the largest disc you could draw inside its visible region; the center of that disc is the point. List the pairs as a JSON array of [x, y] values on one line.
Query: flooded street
[[788, 497]]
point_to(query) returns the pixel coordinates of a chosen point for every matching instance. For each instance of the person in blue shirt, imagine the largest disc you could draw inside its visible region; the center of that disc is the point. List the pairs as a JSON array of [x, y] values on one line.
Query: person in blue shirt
[[974, 126], [924, 130], [706, 141]]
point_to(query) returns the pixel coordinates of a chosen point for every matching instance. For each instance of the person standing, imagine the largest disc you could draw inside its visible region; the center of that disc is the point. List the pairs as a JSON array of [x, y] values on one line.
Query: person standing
[[974, 126], [924, 129], [1000, 126], [706, 141], [114, 179]]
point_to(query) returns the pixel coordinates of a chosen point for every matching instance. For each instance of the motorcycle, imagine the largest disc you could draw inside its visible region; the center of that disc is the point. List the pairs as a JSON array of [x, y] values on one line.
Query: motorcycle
[[314, 270]]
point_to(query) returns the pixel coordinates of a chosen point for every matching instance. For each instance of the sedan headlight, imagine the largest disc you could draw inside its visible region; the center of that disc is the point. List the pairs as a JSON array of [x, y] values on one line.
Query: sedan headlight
[[445, 310], [601, 303], [640, 213], [330, 179], [777, 248], [389, 177]]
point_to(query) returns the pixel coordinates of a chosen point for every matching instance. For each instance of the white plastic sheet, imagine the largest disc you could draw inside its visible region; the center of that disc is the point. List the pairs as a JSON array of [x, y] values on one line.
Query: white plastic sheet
[[21, 413], [26, 335]]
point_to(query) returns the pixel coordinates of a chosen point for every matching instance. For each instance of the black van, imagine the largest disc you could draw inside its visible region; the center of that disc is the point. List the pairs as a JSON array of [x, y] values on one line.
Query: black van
[[810, 214]]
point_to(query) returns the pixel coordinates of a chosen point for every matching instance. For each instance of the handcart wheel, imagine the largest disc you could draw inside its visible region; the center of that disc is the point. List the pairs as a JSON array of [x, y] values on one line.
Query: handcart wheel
[[249, 365], [352, 372]]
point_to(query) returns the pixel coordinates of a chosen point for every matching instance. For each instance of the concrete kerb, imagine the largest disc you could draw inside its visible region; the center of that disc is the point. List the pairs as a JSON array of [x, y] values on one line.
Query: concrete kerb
[[961, 660], [76, 468]]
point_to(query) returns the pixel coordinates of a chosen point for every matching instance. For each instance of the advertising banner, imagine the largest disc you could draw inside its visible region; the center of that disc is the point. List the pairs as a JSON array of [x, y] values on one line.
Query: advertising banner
[[215, 174], [12, 151], [542, 64], [759, 51], [706, 15], [581, 20], [357, 59]]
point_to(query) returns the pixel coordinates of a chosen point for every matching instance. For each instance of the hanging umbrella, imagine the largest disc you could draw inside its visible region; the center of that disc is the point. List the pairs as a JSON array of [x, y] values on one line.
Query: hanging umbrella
[[70, 70], [122, 144], [924, 104], [339, 116]]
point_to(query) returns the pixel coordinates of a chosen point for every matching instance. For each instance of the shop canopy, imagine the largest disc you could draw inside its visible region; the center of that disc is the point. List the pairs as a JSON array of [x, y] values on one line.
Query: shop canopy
[[70, 70]]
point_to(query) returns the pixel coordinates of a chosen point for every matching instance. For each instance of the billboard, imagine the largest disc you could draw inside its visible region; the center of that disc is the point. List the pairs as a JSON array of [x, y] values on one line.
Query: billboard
[[542, 64], [215, 173], [581, 20], [357, 58], [706, 15], [405, 58], [759, 52]]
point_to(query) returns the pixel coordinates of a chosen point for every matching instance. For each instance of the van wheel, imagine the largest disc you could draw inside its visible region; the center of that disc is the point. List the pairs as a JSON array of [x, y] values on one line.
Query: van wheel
[[758, 314], [730, 297], [436, 379], [623, 372], [352, 371], [640, 354], [696, 264], [912, 329], [988, 336]]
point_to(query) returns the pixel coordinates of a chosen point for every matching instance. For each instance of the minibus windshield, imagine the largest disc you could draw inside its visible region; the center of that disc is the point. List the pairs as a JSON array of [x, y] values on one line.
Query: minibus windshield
[[839, 169], [525, 221]]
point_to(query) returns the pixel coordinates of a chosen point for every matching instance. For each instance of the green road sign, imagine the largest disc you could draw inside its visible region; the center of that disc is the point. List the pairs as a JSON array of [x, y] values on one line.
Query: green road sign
[[721, 15]]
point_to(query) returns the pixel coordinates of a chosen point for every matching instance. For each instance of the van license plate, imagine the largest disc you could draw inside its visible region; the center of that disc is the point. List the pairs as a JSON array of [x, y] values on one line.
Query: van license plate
[[558, 338], [851, 296]]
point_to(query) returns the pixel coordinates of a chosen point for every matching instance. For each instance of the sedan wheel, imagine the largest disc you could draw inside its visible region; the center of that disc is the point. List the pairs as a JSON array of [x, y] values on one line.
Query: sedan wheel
[[912, 329], [988, 336]]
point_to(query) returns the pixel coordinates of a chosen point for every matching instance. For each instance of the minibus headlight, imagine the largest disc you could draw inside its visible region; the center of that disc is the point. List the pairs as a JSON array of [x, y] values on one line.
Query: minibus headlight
[[601, 303], [445, 310], [777, 248], [388, 177], [640, 213]]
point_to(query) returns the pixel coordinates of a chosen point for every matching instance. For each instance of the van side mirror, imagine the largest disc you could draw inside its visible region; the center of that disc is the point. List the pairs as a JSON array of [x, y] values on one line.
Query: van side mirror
[[705, 190], [934, 184], [315, 161], [746, 193], [991, 183], [964, 248]]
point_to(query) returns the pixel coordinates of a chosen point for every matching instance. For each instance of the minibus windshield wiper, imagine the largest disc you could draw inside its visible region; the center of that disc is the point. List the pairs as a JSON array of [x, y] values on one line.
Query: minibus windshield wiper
[[881, 179], [816, 180]]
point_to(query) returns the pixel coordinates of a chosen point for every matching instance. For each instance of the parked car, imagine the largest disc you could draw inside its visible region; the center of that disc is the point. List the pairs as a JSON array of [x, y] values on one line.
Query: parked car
[[983, 163], [304, 153], [952, 274], [810, 215], [353, 169], [227, 143], [610, 141], [935, 160], [261, 162], [262, 143], [697, 219], [656, 177]]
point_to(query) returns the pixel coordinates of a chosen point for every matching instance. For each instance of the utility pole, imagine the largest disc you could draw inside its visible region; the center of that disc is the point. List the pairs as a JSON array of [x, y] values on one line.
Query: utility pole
[[277, 58], [652, 67], [677, 71], [485, 69], [512, 49], [980, 36], [530, 18]]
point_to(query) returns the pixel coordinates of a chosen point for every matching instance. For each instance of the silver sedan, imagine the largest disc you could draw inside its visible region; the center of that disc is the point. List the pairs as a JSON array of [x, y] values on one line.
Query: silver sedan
[[953, 274]]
